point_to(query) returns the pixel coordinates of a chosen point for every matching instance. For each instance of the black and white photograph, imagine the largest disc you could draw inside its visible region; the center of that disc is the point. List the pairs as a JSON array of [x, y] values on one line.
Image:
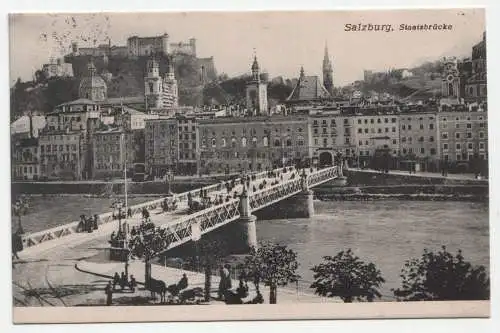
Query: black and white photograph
[[184, 166]]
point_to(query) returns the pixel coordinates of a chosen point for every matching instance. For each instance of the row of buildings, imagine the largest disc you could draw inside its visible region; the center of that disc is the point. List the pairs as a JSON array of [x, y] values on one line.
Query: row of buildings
[[98, 137], [76, 144]]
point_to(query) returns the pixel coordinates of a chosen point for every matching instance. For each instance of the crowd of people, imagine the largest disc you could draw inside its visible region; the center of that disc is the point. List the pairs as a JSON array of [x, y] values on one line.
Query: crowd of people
[[88, 224]]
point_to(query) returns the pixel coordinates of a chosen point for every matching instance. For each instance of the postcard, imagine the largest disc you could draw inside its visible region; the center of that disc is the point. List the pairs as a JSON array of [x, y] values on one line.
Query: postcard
[[213, 166]]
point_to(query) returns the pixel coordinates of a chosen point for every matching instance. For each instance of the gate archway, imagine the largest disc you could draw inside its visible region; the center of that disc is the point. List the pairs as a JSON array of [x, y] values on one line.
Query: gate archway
[[325, 158]]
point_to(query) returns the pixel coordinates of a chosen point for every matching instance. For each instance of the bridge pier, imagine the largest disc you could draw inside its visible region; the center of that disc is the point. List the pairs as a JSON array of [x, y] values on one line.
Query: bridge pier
[[304, 204]]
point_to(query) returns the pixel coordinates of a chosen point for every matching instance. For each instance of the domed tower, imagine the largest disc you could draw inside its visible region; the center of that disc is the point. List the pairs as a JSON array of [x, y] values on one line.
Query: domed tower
[[327, 72], [256, 91], [92, 86], [152, 84]]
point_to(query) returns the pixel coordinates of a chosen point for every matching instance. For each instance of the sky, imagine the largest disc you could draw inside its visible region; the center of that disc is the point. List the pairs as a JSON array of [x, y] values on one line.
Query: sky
[[282, 41]]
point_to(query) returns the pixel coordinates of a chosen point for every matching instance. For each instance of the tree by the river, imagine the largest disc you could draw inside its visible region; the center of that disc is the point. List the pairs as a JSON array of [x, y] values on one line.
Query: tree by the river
[[347, 277], [442, 276], [274, 265]]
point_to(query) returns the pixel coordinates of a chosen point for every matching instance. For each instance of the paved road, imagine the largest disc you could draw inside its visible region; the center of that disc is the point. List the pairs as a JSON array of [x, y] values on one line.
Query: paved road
[[460, 176], [45, 275]]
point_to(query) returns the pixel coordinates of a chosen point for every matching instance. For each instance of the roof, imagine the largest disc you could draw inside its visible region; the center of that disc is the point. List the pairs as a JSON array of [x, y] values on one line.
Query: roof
[[28, 142], [308, 87], [124, 100], [78, 101], [22, 124]]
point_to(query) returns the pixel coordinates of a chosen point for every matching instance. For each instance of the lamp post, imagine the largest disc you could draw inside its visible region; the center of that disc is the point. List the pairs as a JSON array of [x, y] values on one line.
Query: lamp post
[[195, 237]]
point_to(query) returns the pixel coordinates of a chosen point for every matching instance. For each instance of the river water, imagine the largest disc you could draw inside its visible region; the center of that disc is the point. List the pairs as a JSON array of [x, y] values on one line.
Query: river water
[[385, 232]]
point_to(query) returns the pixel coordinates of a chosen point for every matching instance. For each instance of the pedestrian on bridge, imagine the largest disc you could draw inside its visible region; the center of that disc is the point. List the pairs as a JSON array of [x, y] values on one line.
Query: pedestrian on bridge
[[96, 221], [129, 212]]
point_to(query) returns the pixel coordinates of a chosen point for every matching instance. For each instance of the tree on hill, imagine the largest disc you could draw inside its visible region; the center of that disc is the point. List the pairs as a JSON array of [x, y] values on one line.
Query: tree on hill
[[347, 277], [274, 265], [442, 276]]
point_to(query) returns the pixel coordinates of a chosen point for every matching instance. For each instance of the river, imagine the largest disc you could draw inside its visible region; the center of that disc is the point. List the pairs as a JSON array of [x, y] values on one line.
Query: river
[[385, 232]]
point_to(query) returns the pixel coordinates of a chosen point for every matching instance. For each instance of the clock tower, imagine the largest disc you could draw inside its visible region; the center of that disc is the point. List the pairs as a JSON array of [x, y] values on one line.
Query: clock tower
[[256, 92], [450, 86]]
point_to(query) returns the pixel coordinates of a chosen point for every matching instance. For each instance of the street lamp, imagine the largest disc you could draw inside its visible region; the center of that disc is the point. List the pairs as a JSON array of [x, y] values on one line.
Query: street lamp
[[195, 237]]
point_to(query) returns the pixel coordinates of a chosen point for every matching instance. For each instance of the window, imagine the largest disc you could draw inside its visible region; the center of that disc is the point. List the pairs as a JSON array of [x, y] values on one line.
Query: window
[[445, 146], [409, 127], [243, 142], [445, 126], [223, 142], [421, 126], [288, 142], [360, 142], [457, 146], [403, 127], [393, 120], [431, 139], [315, 123], [366, 121], [203, 143], [421, 139], [394, 129], [386, 120], [366, 143], [481, 135], [431, 126], [403, 139], [315, 142], [346, 122], [410, 139], [359, 121], [379, 121], [214, 143], [300, 140], [347, 141], [422, 151], [387, 130], [444, 135], [325, 142], [366, 130], [324, 130], [459, 157], [233, 142], [404, 150], [481, 125], [433, 151], [379, 130], [277, 142], [457, 135], [457, 126], [469, 125], [394, 141], [254, 141], [481, 145], [372, 121], [315, 131], [469, 135], [360, 130], [470, 146]]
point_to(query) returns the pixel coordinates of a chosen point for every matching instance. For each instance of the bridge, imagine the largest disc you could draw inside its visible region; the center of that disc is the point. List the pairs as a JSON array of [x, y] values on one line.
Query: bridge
[[179, 229]]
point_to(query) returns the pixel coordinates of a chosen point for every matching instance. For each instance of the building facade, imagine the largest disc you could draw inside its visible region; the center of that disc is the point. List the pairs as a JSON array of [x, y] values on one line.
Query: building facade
[[463, 135], [376, 130], [332, 133], [251, 144], [62, 155], [419, 138], [189, 157], [160, 92], [161, 145], [475, 86], [26, 159], [113, 151]]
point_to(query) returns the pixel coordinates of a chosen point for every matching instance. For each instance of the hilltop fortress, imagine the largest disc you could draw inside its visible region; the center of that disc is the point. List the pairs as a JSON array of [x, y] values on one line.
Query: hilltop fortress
[[142, 47], [138, 46]]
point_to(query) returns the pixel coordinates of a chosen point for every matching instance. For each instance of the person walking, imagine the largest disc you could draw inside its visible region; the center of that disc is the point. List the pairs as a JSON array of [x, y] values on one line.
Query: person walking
[[109, 293], [116, 280], [96, 220]]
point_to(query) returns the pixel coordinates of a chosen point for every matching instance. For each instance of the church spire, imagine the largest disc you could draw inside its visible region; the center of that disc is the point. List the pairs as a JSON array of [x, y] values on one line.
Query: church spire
[[255, 68], [327, 71], [302, 75]]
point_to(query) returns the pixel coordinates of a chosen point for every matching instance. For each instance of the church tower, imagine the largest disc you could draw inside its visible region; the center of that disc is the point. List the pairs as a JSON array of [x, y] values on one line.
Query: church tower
[[153, 85], [327, 72], [170, 88], [450, 86], [256, 92]]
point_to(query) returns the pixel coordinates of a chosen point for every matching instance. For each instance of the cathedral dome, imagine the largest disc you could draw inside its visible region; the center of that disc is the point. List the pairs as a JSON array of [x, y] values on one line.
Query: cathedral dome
[[93, 86]]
